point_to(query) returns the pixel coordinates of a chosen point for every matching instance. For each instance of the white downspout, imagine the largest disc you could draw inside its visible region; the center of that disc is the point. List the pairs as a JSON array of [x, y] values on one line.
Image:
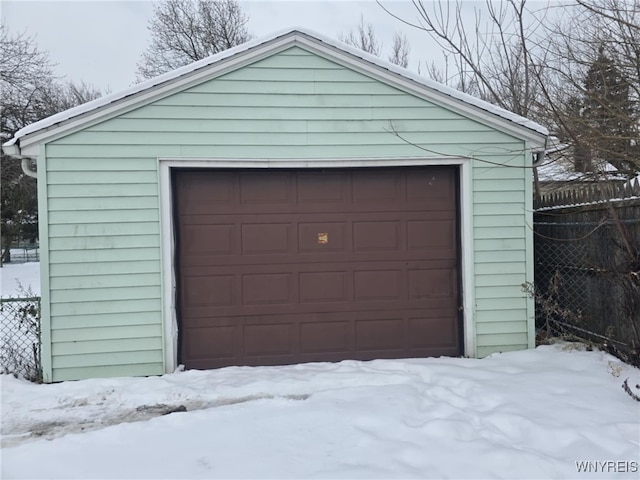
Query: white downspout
[[27, 167], [12, 149], [540, 155]]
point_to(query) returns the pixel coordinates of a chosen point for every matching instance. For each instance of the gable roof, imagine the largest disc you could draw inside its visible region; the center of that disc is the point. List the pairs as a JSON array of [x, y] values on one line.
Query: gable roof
[[236, 57]]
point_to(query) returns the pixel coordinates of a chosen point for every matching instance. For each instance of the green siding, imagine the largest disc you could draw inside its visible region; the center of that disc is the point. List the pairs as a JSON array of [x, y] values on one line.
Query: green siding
[[106, 320], [120, 357], [83, 334], [102, 200], [106, 281], [483, 351], [497, 328], [108, 370]]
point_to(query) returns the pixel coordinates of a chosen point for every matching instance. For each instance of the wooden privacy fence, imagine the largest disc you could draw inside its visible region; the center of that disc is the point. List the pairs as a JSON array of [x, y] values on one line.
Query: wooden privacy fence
[[587, 268], [586, 194]]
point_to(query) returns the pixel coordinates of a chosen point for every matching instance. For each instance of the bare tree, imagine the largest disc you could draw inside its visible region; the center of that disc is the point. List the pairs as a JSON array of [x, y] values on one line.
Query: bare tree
[[400, 50], [489, 59], [70, 94], [365, 38], [25, 71], [184, 31], [30, 92], [595, 83], [21, 63], [536, 63]]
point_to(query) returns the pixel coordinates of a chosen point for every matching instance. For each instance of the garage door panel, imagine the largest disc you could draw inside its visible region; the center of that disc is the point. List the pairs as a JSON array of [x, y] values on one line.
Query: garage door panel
[[317, 189], [280, 335], [200, 316], [210, 239], [319, 287], [267, 238], [434, 332], [326, 216], [425, 235], [285, 266], [266, 190], [428, 283], [434, 187], [356, 284], [210, 342], [220, 188], [378, 236], [267, 289], [378, 285], [376, 187], [324, 237], [196, 265], [381, 334], [321, 337], [207, 291]]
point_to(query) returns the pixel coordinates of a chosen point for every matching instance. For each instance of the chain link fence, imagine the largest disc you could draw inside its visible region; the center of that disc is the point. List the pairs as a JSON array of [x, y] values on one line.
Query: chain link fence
[[587, 275], [20, 347], [25, 253]]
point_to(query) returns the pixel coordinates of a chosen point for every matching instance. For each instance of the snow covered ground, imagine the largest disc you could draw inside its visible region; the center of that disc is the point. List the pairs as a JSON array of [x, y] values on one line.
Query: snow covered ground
[[14, 275], [530, 414]]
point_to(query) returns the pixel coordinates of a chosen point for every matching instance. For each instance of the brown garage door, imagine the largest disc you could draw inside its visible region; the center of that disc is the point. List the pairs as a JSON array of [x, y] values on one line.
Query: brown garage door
[[280, 267]]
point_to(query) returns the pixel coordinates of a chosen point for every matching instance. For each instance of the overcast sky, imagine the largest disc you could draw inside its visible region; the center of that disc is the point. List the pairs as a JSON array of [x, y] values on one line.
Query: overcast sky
[[100, 42]]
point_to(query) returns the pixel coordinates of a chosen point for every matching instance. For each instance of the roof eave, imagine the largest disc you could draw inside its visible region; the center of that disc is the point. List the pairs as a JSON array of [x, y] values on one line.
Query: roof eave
[[145, 92], [11, 148]]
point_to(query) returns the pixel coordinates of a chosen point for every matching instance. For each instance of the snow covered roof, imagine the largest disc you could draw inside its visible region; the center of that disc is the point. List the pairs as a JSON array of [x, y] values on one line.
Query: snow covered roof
[[148, 90]]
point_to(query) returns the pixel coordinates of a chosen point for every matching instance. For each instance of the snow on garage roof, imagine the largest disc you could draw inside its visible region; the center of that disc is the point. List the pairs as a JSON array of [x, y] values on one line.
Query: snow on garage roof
[[144, 91]]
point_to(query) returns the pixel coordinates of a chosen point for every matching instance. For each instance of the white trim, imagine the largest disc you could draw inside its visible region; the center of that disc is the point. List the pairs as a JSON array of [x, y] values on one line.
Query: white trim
[[167, 265], [529, 251], [223, 62], [202, 162], [167, 244], [46, 348], [467, 260]]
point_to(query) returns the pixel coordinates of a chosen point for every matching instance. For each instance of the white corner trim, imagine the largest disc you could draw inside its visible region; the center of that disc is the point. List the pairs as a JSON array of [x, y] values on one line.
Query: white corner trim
[[46, 354], [167, 265], [167, 245], [468, 260]]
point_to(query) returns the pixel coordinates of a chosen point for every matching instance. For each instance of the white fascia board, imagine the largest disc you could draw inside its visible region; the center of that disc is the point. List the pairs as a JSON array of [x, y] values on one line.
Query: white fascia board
[[487, 113]]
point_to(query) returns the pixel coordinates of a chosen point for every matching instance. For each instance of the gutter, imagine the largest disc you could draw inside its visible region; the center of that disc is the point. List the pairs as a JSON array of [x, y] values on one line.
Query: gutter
[[13, 150]]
